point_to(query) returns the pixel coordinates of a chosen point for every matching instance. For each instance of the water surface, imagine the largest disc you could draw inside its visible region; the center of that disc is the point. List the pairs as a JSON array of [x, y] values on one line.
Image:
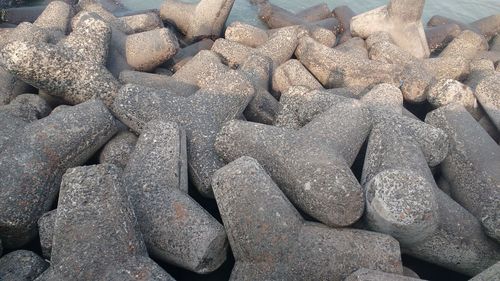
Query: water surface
[[462, 10]]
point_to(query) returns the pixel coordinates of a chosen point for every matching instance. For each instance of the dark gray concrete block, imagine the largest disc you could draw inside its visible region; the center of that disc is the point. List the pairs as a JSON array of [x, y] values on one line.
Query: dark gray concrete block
[[176, 229], [118, 150], [472, 165], [21, 265], [96, 236], [311, 165], [33, 165], [84, 77], [201, 115], [271, 241], [263, 107]]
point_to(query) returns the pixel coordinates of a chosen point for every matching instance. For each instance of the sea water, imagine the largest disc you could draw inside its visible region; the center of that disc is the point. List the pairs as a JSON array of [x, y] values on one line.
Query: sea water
[[463, 10]]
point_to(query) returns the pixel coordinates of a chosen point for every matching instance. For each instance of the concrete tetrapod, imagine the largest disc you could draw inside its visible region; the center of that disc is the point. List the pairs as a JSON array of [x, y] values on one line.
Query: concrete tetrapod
[[32, 167], [51, 25], [311, 165], [336, 69], [279, 47], [142, 51], [81, 55], [16, 115], [398, 183], [488, 95], [176, 228], [96, 236], [400, 18], [472, 165], [263, 107], [209, 109], [271, 241], [202, 20]]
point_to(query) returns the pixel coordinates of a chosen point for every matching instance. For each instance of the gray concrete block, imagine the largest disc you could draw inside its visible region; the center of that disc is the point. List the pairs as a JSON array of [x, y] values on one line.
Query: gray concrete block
[[271, 241], [33, 165]]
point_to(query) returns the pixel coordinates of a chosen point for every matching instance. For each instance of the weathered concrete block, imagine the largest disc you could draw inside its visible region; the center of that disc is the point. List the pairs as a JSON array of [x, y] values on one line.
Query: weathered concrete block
[[263, 107], [337, 69], [46, 232], [400, 18], [146, 50], [300, 105], [489, 274], [438, 20], [185, 54], [96, 236], [438, 37], [448, 91], [209, 109], [488, 26], [480, 69], [277, 17], [279, 47], [142, 51], [28, 107], [246, 34], [490, 128], [118, 150], [472, 165], [32, 167], [101, 10], [158, 81], [311, 165], [467, 44], [23, 110], [202, 20], [79, 55], [364, 274], [55, 20], [21, 265], [344, 14], [381, 48], [176, 229], [271, 241], [206, 71], [11, 86], [459, 242], [398, 183], [488, 95], [293, 73], [456, 68], [143, 22], [355, 47]]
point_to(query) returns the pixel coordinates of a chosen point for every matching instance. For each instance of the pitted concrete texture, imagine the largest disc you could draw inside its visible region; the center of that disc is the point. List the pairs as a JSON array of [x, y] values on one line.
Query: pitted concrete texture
[[79, 56], [209, 108], [96, 236], [176, 229], [32, 166], [472, 165], [271, 241], [118, 150], [21, 265], [311, 165]]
